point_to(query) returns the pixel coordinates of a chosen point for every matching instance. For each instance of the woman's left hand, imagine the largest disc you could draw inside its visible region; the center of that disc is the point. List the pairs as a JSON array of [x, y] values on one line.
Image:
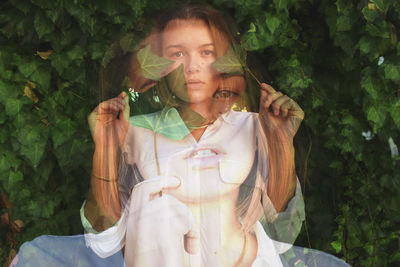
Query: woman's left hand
[[285, 115]]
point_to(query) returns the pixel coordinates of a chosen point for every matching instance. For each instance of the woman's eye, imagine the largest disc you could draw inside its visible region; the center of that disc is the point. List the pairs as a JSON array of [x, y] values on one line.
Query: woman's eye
[[225, 94], [178, 54], [208, 52]]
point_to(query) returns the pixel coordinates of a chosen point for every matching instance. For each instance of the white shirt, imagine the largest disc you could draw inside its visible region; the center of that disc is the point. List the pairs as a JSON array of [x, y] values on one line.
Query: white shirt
[[228, 125]]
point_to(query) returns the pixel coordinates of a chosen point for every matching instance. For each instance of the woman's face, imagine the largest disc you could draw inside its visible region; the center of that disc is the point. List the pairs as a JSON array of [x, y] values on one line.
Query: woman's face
[[189, 42]]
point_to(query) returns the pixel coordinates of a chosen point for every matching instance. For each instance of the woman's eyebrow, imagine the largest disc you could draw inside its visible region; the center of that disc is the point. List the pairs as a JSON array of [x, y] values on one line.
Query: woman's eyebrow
[[181, 46], [174, 46], [210, 44]]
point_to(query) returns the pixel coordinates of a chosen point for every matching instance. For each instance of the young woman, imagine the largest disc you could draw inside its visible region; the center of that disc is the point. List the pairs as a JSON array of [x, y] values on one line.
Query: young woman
[[187, 186], [188, 198]]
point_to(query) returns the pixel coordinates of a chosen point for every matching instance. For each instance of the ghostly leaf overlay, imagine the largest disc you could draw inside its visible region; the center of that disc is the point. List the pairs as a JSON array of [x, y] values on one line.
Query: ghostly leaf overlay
[[177, 83], [166, 122], [152, 66], [230, 63]]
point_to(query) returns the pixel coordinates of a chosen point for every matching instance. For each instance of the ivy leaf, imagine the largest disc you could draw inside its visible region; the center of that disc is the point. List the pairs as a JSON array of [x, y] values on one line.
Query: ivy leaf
[[28, 68], [33, 141], [343, 23], [177, 83], [13, 106], [337, 245], [281, 4], [272, 23], [368, 84], [42, 25], [167, 123], [376, 115], [129, 42], [152, 66], [42, 77], [14, 178], [228, 63], [380, 5], [76, 53], [395, 114], [60, 62], [392, 72], [252, 28]]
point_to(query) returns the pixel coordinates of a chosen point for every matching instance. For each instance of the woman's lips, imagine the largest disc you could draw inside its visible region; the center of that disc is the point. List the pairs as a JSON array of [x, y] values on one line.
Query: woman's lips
[[204, 158], [194, 84]]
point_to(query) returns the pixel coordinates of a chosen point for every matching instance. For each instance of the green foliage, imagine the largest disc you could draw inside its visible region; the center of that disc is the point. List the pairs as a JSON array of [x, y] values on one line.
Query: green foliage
[[151, 65], [228, 63], [338, 60]]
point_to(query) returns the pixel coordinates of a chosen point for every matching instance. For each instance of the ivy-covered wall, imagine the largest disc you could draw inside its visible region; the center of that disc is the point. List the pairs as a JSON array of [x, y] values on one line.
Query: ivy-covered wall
[[339, 60]]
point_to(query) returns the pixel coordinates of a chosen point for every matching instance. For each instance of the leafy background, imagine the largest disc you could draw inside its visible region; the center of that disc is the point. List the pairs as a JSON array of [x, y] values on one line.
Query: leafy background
[[340, 60]]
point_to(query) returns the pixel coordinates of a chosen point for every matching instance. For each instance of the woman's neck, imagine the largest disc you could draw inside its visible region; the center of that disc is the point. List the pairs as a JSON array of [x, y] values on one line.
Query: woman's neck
[[205, 109]]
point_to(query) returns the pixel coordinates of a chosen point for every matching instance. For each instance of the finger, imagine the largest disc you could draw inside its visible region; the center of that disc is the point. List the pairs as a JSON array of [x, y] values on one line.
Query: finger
[[294, 110], [192, 240], [144, 192], [267, 88], [114, 105], [263, 98], [276, 105], [126, 107], [122, 95], [271, 98]]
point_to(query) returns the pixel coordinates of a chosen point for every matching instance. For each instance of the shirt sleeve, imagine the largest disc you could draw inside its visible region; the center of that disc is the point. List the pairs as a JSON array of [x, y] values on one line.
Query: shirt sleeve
[[107, 242], [285, 225]]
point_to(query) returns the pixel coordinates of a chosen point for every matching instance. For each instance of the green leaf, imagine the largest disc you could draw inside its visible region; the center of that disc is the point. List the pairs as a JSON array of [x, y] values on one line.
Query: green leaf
[[376, 115], [29, 67], [33, 139], [167, 123], [395, 114], [177, 83], [343, 23], [252, 28], [22, 5], [63, 131], [367, 83], [272, 23], [8, 160], [42, 77], [392, 72], [281, 4], [60, 62], [34, 152], [42, 24], [337, 245], [380, 4], [228, 63], [152, 66], [365, 44], [14, 178], [75, 53], [13, 106], [129, 42]]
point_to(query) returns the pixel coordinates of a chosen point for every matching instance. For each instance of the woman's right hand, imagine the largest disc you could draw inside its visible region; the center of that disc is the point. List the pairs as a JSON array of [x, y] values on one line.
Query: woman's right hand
[[157, 224], [106, 126]]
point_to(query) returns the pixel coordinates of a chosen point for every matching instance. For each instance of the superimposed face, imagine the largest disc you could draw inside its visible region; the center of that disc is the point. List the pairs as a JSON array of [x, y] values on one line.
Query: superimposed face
[[214, 166], [190, 42]]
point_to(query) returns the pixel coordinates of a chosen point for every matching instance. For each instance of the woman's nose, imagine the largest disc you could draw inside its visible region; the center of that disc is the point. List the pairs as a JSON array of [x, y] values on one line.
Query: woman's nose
[[192, 64]]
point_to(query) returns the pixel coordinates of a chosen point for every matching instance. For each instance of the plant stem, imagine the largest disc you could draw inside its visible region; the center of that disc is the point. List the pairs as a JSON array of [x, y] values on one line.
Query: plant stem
[[252, 75], [156, 154]]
